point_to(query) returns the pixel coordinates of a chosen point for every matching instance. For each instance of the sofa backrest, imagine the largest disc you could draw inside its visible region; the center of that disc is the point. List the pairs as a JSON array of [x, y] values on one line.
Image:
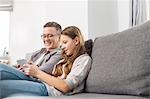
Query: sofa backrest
[[121, 63], [88, 46]]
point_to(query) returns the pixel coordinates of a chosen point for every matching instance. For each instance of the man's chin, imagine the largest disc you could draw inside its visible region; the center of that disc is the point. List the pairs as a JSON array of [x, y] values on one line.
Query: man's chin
[[48, 47]]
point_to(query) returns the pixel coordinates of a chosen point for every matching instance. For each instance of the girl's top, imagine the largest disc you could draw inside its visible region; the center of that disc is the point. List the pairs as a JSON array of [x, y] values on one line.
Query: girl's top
[[76, 78]]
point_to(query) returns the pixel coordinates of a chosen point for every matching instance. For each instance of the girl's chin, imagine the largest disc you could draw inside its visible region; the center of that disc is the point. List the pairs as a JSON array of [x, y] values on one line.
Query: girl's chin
[[68, 54]]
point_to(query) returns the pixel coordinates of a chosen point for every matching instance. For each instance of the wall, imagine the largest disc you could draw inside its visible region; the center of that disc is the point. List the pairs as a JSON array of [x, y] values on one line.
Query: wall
[[29, 16], [94, 17], [107, 16], [102, 17], [123, 15]]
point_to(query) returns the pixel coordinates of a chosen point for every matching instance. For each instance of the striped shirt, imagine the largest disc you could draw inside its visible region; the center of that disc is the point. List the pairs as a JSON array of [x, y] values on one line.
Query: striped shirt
[[76, 78]]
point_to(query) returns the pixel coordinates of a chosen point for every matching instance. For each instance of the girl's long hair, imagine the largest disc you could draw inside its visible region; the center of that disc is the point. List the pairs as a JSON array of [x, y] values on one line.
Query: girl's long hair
[[67, 62]]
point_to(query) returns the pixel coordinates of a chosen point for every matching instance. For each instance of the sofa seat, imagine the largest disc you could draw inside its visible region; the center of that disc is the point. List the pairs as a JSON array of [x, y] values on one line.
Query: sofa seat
[[81, 96], [105, 96]]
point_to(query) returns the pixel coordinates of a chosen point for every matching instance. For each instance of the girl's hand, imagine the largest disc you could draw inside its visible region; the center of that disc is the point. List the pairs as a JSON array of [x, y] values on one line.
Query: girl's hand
[[31, 69], [17, 65], [20, 68]]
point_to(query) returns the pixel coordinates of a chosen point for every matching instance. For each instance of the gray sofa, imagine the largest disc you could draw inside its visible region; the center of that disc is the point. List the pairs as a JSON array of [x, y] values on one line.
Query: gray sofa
[[120, 67]]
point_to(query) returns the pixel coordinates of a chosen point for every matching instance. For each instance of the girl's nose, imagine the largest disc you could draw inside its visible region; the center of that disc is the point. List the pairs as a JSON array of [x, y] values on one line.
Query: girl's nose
[[62, 46]]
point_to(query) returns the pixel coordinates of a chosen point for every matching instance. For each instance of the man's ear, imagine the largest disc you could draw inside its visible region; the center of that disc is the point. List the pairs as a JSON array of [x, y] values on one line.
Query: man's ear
[[76, 40]]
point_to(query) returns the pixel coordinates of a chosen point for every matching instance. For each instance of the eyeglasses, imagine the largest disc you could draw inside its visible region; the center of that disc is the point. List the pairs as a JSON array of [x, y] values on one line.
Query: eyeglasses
[[48, 35]]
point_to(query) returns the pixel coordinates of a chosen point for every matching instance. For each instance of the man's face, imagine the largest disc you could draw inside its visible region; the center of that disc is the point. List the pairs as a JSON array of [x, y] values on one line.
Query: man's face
[[50, 38]]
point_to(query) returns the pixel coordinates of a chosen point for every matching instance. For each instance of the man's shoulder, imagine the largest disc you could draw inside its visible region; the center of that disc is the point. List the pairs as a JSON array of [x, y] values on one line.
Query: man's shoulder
[[52, 52], [56, 51], [40, 50]]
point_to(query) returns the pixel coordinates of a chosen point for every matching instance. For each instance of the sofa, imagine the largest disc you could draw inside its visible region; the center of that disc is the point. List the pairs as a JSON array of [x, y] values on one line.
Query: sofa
[[120, 67]]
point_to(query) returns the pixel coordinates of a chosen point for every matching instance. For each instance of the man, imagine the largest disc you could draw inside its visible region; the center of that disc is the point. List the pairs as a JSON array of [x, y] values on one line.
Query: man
[[47, 57]]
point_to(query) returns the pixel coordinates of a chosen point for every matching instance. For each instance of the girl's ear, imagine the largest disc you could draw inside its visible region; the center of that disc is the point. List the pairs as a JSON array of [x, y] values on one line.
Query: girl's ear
[[76, 40]]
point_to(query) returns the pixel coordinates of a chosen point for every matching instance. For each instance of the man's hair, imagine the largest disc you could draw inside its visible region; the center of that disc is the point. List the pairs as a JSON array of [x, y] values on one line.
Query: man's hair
[[53, 24]]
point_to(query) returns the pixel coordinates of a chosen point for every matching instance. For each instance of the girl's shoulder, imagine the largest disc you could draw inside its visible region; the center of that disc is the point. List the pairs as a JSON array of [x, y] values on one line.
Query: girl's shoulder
[[83, 56]]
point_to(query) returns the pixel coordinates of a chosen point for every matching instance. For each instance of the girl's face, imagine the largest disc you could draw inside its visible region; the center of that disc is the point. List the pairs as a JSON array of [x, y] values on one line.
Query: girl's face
[[68, 44]]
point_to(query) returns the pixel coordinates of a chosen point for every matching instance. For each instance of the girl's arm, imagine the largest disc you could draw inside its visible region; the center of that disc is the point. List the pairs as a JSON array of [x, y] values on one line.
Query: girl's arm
[[47, 78], [53, 81]]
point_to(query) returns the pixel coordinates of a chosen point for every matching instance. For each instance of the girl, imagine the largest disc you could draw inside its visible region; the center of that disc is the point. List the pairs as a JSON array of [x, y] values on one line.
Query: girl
[[68, 75]]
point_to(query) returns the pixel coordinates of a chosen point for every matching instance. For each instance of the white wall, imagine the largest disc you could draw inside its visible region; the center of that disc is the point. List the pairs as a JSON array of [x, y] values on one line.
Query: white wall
[[29, 16], [123, 15], [107, 16], [94, 17], [102, 17]]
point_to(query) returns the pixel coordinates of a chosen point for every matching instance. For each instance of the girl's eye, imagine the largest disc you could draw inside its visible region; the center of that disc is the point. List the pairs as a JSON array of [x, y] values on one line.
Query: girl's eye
[[64, 42]]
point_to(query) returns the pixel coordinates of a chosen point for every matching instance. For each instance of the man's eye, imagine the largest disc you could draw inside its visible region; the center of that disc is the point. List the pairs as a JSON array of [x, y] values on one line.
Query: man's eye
[[50, 35]]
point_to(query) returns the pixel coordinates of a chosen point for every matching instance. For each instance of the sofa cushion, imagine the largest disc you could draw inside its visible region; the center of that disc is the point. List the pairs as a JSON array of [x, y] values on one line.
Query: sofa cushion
[[88, 46], [80, 96], [121, 63]]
